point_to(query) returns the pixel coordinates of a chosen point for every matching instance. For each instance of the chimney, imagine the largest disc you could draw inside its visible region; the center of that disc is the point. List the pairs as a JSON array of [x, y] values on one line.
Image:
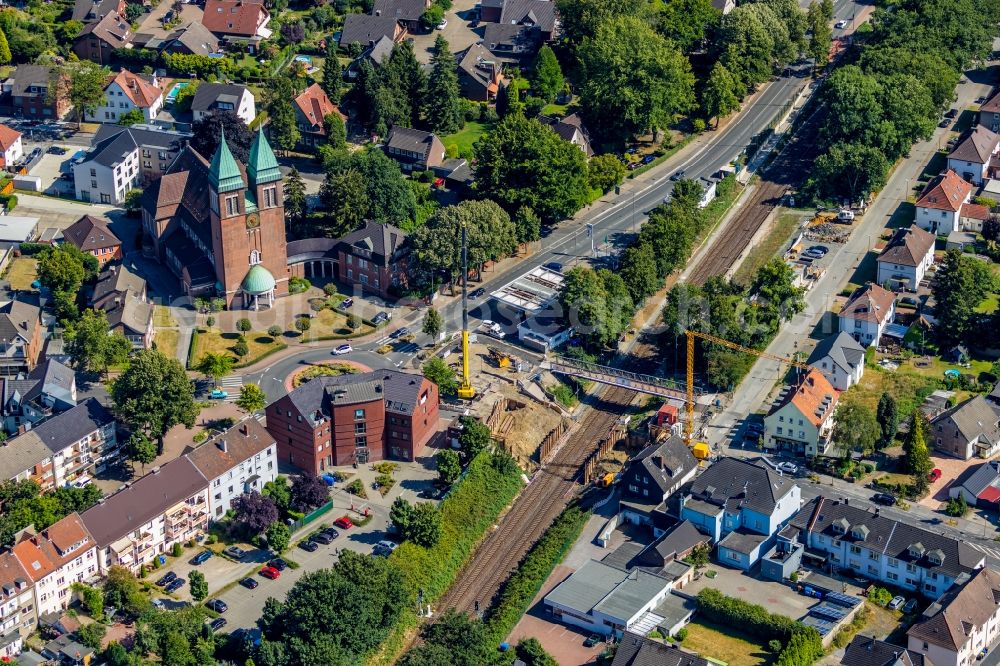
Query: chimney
[[847, 501], [245, 430], [811, 380], [657, 461], [222, 445], [24, 325]]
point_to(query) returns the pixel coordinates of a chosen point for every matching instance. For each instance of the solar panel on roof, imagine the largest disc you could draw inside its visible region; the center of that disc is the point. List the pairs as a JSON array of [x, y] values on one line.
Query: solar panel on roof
[[845, 600]]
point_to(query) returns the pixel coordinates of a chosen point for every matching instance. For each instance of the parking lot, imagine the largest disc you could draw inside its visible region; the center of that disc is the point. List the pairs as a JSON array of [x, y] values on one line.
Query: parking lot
[[775, 597], [50, 168]]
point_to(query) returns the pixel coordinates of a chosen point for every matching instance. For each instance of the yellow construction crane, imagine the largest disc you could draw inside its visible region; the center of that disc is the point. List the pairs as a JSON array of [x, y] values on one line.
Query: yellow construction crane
[[689, 404], [465, 390]]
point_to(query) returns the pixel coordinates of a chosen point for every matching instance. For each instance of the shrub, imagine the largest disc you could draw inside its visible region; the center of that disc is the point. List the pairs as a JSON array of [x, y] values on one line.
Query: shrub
[[957, 507], [243, 325], [681, 634], [177, 550], [356, 488], [274, 331], [880, 596], [750, 618], [329, 289], [774, 645], [297, 285], [698, 124]]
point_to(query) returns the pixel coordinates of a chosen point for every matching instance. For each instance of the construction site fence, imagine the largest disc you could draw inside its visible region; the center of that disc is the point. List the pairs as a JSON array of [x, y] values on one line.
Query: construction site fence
[[615, 435]]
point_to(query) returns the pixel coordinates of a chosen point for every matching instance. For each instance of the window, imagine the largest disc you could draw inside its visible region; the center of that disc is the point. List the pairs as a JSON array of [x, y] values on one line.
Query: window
[[255, 257], [360, 442], [891, 576], [93, 173], [856, 550], [232, 206], [270, 197], [359, 414]]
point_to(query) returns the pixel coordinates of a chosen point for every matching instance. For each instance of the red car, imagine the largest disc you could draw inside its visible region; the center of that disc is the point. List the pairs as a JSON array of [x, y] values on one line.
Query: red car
[[270, 572], [934, 475], [343, 523]]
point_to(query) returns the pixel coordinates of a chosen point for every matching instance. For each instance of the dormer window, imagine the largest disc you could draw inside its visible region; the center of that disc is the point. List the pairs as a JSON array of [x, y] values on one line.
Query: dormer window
[[840, 526], [916, 550], [860, 532], [936, 557]]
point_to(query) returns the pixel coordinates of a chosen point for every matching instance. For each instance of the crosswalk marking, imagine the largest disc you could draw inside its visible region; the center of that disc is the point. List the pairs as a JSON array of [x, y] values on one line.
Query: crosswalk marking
[[232, 386], [983, 549]]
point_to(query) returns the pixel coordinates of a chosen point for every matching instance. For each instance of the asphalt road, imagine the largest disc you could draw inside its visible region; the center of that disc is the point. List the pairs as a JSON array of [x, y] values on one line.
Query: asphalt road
[[272, 378]]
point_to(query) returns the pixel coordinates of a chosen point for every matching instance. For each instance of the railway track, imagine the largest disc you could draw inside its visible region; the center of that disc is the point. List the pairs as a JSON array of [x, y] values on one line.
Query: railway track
[[783, 174]]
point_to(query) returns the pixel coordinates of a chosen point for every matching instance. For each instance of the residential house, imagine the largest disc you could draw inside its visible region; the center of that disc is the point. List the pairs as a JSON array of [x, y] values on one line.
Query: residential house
[[11, 150], [17, 605], [881, 548], [366, 30], [479, 74], [801, 421], [724, 6], [366, 417], [866, 314], [375, 54], [124, 158], [979, 485], [904, 261], [93, 236], [531, 13], [312, 106], [82, 441], [98, 40], [20, 337], [869, 651], [570, 129], [238, 461], [953, 631], [191, 39], [131, 316], [62, 554], [664, 556], [994, 395], [638, 650], [939, 207], [374, 258], [87, 11], [212, 97], [406, 12], [741, 505], [973, 216], [972, 155], [237, 20], [48, 389], [26, 94], [145, 519], [114, 282], [652, 476], [127, 92], [608, 600], [513, 44], [969, 429], [26, 458], [414, 149], [840, 358], [989, 113]]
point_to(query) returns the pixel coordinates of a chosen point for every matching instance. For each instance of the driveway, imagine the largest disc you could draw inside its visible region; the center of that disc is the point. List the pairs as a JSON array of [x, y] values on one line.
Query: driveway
[[152, 22], [775, 597], [458, 32], [49, 168]]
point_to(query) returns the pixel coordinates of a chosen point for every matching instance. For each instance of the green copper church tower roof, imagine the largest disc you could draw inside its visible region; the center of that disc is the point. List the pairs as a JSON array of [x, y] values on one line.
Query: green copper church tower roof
[[224, 173], [262, 167]]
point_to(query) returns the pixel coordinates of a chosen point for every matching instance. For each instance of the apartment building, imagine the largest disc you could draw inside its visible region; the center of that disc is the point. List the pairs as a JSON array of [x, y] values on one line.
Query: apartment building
[[240, 460], [881, 548], [62, 554], [124, 158], [17, 605], [133, 526], [82, 440], [23, 458], [374, 258], [20, 337], [801, 421], [953, 631], [127, 92]]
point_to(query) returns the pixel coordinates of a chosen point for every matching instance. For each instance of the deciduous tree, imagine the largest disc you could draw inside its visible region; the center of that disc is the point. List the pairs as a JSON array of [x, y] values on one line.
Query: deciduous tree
[[254, 511], [441, 374], [962, 283], [215, 365], [199, 586], [433, 323], [92, 346], [605, 172], [448, 466], [856, 427], [252, 398], [154, 394], [849, 169], [475, 436], [308, 492], [206, 134], [278, 536], [721, 95], [141, 449], [687, 22]]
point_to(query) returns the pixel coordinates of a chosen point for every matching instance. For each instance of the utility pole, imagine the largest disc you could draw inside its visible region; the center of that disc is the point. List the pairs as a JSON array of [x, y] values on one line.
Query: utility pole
[[590, 234]]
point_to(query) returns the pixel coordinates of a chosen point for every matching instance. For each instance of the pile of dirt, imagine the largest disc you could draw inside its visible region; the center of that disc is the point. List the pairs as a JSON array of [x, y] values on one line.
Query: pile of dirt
[[829, 233], [526, 423]]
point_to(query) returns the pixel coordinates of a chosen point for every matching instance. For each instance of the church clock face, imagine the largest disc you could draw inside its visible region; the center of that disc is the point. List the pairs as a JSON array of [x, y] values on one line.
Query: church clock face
[[253, 221]]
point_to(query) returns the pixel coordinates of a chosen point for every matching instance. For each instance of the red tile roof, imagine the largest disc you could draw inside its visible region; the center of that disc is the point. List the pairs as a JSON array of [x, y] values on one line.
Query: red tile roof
[[992, 105], [975, 211], [869, 303], [234, 17], [141, 92], [946, 192], [8, 137], [813, 396], [315, 106]]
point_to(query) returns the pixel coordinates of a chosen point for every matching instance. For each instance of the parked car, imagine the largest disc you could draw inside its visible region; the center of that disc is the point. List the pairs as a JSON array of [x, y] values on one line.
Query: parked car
[[218, 605], [218, 623], [278, 563], [399, 332], [896, 603], [330, 532], [218, 394], [201, 557], [431, 492], [235, 552], [384, 548], [788, 468], [951, 113], [477, 293], [934, 475], [249, 583], [270, 572], [982, 654], [322, 538], [554, 266], [175, 585], [381, 317], [647, 159], [634, 165], [343, 349], [677, 175], [944, 122], [168, 578], [343, 523], [309, 546], [56, 150], [910, 606], [346, 303], [840, 25], [592, 640], [887, 499]]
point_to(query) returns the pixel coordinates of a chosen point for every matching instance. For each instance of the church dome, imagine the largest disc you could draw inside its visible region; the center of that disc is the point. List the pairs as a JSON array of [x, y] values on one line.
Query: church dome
[[258, 281]]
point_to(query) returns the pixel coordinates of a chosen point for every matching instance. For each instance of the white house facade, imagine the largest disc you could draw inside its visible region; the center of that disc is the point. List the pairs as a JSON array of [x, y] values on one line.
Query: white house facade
[[966, 622], [939, 207], [240, 460]]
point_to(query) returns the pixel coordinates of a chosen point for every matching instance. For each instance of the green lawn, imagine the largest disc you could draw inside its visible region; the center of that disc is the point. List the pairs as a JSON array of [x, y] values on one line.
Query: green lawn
[[259, 344], [732, 647], [22, 272], [782, 230], [464, 139]]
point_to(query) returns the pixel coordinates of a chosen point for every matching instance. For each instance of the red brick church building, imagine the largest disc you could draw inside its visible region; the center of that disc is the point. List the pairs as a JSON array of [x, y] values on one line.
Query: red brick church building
[[220, 225]]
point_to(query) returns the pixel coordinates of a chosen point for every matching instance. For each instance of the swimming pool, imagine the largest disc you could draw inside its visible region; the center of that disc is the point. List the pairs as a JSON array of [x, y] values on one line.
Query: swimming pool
[[304, 58], [172, 95]]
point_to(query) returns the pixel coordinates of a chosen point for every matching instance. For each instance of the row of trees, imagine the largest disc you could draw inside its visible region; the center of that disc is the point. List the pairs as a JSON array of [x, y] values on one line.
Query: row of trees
[[891, 96], [24, 504]]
